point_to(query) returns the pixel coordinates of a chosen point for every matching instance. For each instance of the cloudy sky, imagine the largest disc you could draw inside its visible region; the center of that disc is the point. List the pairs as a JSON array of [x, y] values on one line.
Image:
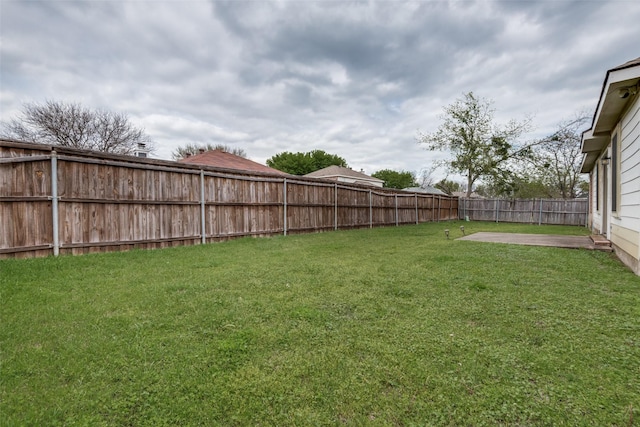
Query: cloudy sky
[[357, 79]]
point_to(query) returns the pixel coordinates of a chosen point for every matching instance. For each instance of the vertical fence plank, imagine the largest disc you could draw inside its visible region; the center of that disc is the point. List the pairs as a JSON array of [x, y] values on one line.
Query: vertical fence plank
[[396, 209], [370, 209], [540, 213], [335, 206]]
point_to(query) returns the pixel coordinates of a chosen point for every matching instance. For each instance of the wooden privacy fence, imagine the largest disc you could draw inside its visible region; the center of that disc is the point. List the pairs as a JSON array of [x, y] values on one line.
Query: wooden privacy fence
[[58, 200], [528, 211]]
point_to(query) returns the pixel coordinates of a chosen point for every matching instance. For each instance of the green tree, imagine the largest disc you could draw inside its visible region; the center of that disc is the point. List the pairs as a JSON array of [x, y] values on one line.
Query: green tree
[[448, 186], [304, 163], [193, 149], [480, 148], [73, 125], [518, 187], [394, 179]]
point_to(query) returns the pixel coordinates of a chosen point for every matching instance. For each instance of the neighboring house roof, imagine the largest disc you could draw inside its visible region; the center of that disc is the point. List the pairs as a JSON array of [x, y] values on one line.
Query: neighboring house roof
[[222, 159], [621, 84], [474, 195], [627, 64], [337, 172], [426, 190]]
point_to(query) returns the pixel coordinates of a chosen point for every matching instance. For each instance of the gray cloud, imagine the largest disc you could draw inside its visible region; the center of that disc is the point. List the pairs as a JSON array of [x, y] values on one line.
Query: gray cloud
[[358, 79]]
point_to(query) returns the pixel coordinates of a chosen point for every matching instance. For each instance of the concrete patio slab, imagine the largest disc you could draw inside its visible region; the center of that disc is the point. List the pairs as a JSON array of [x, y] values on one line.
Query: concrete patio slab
[[584, 242]]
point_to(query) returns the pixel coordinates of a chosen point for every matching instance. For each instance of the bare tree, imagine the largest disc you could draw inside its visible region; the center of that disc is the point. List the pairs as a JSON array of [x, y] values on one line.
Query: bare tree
[[72, 125], [427, 178], [193, 149], [557, 158]]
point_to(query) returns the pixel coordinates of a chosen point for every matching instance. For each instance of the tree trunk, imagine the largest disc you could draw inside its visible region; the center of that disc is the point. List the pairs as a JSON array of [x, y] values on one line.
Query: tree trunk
[[469, 186]]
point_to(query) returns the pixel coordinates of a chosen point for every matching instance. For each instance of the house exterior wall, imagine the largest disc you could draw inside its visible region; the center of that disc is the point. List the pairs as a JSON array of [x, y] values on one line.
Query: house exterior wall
[[625, 220], [611, 150], [595, 220]]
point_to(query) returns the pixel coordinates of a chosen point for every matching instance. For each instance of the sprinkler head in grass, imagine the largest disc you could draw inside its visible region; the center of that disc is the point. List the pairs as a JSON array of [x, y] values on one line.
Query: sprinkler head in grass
[[462, 229], [446, 232]]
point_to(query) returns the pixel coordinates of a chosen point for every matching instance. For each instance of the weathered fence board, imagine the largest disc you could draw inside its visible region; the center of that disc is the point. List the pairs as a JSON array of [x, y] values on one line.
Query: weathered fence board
[[73, 201], [527, 211]]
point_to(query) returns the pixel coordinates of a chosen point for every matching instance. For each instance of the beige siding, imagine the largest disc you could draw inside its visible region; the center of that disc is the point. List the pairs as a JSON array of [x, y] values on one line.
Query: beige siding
[[626, 239], [625, 228], [630, 168]]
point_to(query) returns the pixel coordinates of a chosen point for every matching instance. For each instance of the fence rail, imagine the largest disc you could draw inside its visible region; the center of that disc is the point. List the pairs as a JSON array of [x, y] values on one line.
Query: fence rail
[[527, 211], [56, 200]]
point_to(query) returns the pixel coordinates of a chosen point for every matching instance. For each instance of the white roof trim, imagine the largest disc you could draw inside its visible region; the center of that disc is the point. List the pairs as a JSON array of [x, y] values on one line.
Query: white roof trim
[[610, 108], [610, 105]]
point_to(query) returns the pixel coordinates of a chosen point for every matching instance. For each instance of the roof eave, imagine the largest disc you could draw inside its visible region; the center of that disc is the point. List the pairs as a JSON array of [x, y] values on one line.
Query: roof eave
[[610, 107], [611, 103], [588, 162], [592, 146]]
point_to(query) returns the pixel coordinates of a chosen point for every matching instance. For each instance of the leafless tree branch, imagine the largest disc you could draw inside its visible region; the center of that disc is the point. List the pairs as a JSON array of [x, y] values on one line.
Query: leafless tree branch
[[72, 125]]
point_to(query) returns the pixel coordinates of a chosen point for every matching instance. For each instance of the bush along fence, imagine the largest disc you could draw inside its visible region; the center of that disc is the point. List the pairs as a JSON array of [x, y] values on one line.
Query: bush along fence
[[527, 211], [57, 200]]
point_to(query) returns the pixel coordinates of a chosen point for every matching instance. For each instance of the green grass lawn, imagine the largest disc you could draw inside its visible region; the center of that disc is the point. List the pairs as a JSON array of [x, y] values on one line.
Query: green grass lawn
[[390, 326]]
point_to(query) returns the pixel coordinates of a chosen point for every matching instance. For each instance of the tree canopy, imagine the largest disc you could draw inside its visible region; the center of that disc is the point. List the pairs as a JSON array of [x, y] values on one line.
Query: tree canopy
[[448, 186], [550, 170], [73, 125], [394, 179], [479, 147], [193, 149], [304, 163], [557, 158]]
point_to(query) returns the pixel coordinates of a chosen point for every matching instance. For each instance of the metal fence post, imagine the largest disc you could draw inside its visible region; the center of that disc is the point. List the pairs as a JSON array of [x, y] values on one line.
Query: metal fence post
[[54, 203], [203, 222], [285, 207]]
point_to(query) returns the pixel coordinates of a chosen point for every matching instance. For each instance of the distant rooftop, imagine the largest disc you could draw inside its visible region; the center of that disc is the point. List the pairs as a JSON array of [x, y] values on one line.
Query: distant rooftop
[[627, 64], [332, 171], [426, 190], [222, 159]]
